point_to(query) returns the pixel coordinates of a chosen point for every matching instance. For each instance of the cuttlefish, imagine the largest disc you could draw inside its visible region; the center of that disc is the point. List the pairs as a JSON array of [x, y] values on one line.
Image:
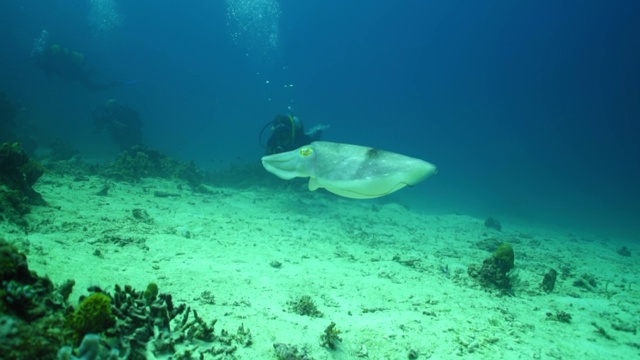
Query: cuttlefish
[[352, 171]]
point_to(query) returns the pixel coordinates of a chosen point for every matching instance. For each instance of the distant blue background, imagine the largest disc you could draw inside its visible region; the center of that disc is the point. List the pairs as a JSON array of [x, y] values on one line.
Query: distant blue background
[[531, 109]]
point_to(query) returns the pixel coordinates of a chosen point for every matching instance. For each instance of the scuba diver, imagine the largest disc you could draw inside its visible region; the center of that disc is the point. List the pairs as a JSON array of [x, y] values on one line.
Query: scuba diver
[[287, 133], [121, 122], [67, 64]]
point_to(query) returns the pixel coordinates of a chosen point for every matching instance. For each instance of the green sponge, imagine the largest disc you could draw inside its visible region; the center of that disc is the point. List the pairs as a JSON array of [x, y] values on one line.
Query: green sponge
[[504, 257], [151, 293], [92, 316]]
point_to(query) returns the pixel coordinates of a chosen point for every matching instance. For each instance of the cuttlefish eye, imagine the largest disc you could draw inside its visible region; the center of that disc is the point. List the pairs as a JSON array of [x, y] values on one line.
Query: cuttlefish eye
[[306, 151]]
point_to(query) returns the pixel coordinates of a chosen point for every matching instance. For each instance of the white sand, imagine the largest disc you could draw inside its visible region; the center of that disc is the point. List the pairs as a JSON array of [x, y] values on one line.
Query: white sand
[[340, 252]]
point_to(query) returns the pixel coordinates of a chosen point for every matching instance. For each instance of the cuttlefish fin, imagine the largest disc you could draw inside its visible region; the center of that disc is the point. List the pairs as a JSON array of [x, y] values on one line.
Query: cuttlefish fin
[[313, 184]]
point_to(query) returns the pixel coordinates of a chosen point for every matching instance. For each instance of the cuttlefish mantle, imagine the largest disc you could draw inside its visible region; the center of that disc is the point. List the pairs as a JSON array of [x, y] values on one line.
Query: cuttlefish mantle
[[352, 171]]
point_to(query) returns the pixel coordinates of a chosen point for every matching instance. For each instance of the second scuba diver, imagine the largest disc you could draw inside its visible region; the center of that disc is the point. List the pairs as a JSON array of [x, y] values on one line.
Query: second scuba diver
[[287, 133], [65, 63]]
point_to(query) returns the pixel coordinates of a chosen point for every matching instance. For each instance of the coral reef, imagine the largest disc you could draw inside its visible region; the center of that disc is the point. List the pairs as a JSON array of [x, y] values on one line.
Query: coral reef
[[141, 162], [494, 270], [134, 164], [149, 321], [32, 321], [23, 292], [18, 174]]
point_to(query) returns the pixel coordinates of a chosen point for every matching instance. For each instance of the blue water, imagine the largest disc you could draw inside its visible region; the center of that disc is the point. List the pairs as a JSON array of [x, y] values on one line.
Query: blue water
[[530, 109]]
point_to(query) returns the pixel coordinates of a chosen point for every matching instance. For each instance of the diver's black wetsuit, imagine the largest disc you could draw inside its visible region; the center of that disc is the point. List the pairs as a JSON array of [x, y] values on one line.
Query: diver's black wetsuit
[[287, 133]]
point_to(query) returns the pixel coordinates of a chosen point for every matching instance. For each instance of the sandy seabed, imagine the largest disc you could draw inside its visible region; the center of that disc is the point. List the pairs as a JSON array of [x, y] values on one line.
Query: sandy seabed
[[393, 280]]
